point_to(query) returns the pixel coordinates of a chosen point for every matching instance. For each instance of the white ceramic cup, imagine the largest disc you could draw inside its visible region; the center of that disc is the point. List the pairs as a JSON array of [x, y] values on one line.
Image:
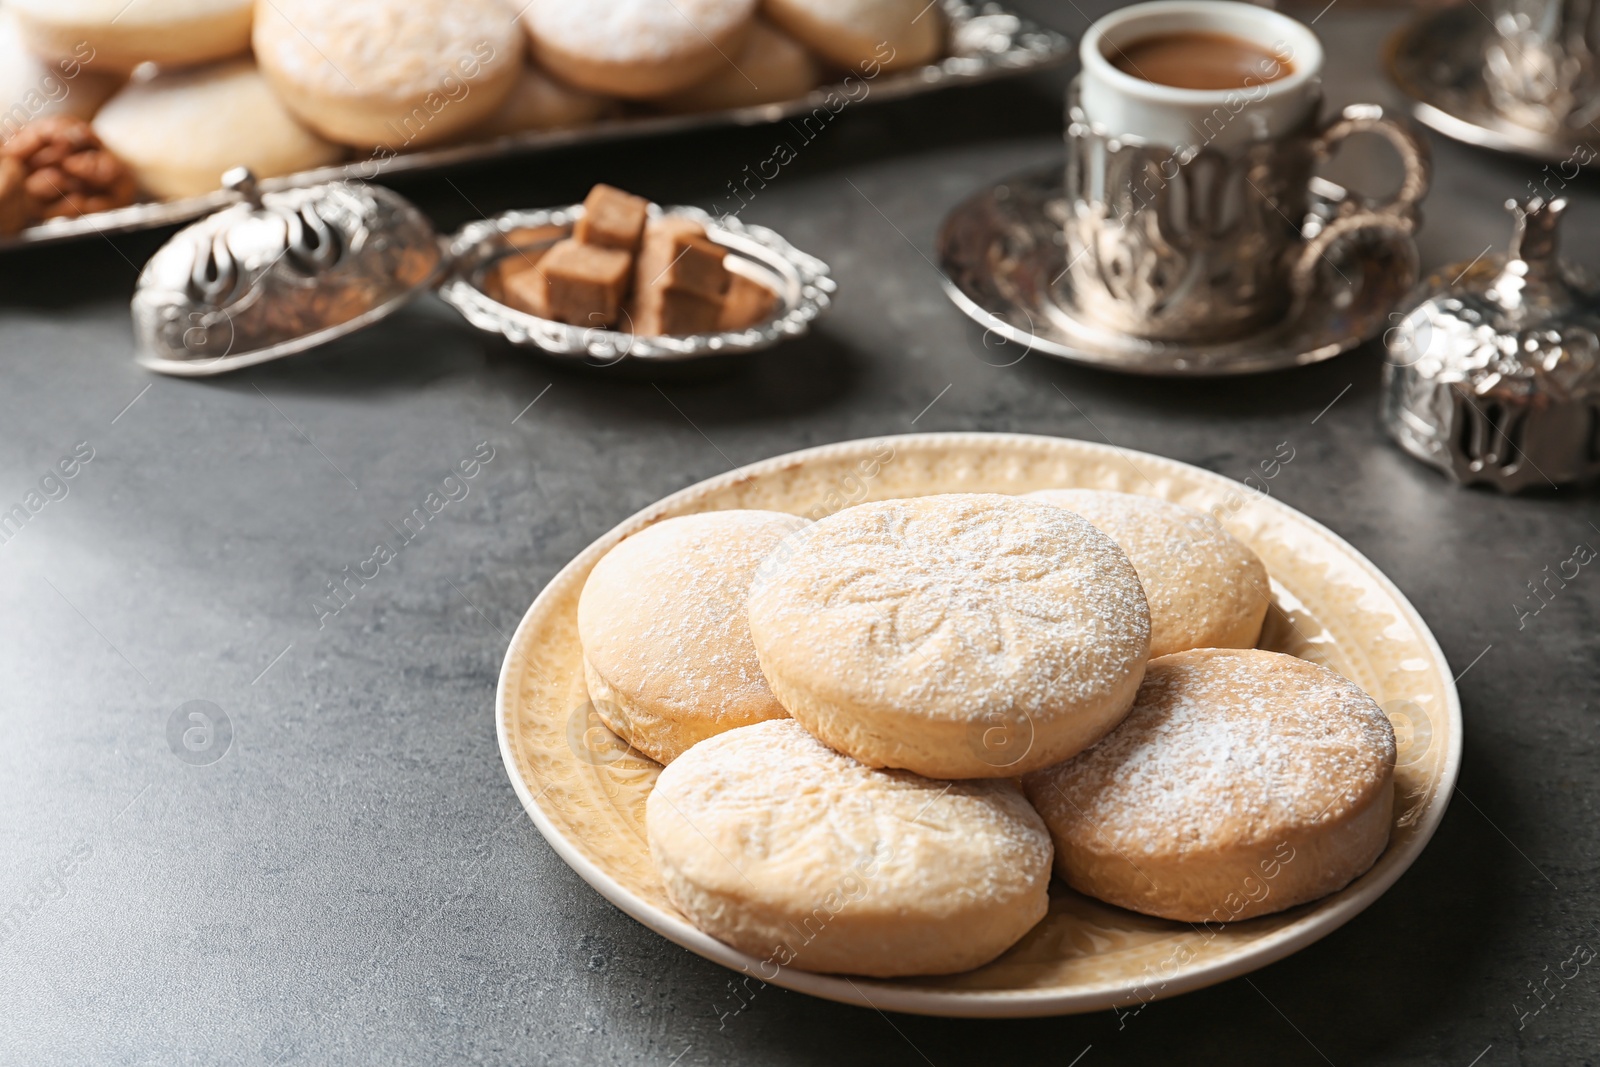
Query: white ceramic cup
[[1129, 106]]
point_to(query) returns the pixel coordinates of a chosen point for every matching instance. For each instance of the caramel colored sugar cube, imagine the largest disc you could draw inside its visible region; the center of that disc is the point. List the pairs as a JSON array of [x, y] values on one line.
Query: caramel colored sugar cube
[[524, 261], [748, 302], [677, 254], [531, 237], [611, 219], [523, 287], [583, 285], [660, 312]]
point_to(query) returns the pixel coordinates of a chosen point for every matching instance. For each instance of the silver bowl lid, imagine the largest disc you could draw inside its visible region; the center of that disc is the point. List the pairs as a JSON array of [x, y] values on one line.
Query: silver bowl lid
[[1494, 375], [279, 273]]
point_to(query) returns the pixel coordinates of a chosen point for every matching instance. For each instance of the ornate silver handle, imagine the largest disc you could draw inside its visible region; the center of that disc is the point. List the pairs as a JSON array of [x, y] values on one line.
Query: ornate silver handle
[[1398, 214], [1412, 149]]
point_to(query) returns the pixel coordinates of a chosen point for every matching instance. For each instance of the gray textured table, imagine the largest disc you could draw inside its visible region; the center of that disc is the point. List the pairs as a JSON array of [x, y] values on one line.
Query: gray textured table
[[353, 880]]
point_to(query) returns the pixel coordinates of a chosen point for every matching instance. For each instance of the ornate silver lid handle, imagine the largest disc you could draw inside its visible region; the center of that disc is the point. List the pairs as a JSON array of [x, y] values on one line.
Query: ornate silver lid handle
[[242, 180], [1535, 239], [1533, 282]]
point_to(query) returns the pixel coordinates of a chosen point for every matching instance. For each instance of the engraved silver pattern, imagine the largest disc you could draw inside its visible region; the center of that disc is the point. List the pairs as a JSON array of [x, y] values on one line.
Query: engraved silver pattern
[[279, 273], [1170, 243], [1167, 246]]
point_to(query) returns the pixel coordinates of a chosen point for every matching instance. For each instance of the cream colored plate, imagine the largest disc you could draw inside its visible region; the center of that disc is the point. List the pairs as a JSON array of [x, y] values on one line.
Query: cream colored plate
[[587, 793]]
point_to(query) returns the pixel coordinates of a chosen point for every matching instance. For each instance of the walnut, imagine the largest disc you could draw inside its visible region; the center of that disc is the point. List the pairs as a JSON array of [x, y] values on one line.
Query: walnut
[[69, 172], [13, 197]]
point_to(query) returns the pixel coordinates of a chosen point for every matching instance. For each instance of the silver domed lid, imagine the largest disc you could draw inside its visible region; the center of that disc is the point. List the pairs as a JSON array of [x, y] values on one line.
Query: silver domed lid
[[279, 273], [1494, 377]]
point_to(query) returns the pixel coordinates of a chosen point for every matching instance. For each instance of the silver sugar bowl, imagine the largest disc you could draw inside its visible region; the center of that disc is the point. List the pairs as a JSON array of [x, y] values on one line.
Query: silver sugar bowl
[[1494, 377]]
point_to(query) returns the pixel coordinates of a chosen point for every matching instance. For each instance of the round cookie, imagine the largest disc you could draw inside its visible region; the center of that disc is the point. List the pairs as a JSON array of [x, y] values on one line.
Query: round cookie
[[866, 36], [33, 88], [957, 636], [180, 130], [636, 48], [1205, 587], [118, 35], [1242, 783], [539, 102], [662, 619], [770, 68], [389, 74], [777, 845]]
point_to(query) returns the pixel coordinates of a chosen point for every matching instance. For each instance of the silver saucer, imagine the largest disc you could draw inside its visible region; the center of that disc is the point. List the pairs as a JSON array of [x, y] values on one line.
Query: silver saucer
[[1003, 256], [1437, 60]]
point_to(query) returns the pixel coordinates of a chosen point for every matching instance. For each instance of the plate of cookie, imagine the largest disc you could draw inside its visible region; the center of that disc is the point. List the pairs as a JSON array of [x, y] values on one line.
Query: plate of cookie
[[980, 724]]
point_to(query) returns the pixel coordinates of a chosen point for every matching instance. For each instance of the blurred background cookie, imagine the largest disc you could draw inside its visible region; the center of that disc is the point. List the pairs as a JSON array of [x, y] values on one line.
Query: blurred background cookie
[[33, 88], [636, 48], [866, 36], [389, 74], [539, 102], [179, 130], [770, 67], [118, 35]]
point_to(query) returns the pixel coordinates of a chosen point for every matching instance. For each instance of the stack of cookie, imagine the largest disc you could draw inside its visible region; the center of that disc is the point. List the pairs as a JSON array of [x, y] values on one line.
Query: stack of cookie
[[883, 730], [295, 84]]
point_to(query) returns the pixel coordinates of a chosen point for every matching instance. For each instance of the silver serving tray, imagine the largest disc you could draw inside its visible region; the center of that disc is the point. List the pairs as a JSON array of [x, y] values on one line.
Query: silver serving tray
[[987, 41]]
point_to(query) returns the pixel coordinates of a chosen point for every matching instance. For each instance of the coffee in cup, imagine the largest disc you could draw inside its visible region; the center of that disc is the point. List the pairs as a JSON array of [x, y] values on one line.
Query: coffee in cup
[[1200, 59]]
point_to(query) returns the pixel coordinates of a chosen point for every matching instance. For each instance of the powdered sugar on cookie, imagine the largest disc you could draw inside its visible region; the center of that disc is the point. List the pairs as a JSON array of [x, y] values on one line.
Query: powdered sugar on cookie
[[387, 48], [778, 845], [666, 640], [1206, 588], [626, 30], [897, 629], [961, 605], [1223, 750]]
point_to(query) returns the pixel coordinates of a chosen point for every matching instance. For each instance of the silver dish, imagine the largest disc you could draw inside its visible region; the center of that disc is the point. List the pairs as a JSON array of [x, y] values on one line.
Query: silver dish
[[1004, 259], [1438, 61], [987, 41], [801, 282]]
